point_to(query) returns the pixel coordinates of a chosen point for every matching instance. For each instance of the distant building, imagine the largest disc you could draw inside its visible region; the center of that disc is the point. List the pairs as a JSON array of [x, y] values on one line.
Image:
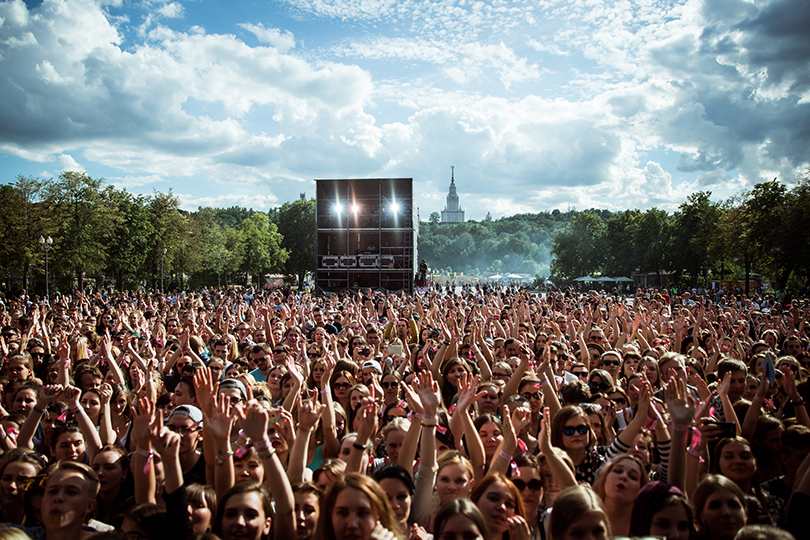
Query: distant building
[[452, 213], [489, 217]]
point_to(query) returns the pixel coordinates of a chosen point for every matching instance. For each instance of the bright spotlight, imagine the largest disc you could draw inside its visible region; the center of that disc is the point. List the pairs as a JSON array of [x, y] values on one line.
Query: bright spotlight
[[355, 209], [394, 207], [337, 208]]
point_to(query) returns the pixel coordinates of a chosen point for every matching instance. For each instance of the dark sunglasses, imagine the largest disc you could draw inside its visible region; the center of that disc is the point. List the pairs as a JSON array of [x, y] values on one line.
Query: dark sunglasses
[[598, 387], [619, 401], [532, 395], [581, 373], [611, 363], [342, 386], [387, 385], [280, 351], [534, 485], [582, 429]]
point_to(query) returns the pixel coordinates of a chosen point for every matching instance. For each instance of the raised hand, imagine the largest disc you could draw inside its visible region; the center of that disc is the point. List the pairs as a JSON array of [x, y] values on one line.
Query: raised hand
[[680, 404], [206, 388], [254, 420], [309, 412], [412, 397], [428, 391], [105, 394], [466, 391], [219, 422], [143, 417]]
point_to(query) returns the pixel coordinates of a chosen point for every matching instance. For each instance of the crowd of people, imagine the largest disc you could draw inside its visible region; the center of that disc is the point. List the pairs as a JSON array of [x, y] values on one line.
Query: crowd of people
[[483, 413]]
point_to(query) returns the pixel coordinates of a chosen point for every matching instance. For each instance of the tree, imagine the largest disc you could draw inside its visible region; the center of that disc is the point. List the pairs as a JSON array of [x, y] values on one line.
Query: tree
[[579, 248], [21, 226], [87, 215], [169, 228], [296, 223], [262, 246], [694, 230], [130, 239], [435, 218]]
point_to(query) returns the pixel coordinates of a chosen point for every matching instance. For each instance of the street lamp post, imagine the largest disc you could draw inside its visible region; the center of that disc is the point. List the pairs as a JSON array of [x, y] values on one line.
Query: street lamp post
[[47, 244]]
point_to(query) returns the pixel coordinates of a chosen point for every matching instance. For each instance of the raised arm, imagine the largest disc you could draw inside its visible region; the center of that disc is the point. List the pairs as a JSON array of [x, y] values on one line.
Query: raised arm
[[309, 412]]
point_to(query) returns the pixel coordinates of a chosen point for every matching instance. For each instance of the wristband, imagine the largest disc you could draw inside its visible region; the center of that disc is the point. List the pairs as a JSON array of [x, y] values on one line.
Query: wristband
[[696, 454], [505, 456], [430, 423], [40, 411], [76, 407], [757, 397], [361, 447], [263, 444], [149, 454], [679, 427], [325, 391], [424, 416], [798, 402]]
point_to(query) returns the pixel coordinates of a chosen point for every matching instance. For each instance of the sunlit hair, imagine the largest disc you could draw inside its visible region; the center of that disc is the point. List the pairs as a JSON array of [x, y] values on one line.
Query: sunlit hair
[[571, 505], [242, 487], [498, 478], [466, 509], [377, 499], [711, 484], [453, 457]]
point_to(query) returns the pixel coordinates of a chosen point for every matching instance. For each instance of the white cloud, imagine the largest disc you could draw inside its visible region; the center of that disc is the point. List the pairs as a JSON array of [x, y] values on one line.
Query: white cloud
[[67, 163], [171, 10], [282, 40]]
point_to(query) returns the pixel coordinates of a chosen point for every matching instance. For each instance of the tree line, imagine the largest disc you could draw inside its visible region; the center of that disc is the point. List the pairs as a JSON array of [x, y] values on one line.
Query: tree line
[[765, 230], [125, 240]]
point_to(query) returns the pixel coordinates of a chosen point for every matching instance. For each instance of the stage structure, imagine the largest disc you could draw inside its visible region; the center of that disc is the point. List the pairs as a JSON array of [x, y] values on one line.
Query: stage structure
[[367, 231]]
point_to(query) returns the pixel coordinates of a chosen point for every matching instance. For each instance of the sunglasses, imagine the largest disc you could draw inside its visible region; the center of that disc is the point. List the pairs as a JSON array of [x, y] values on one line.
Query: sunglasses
[[38, 481], [581, 429], [279, 351], [388, 385], [581, 373], [532, 395], [611, 363], [534, 485], [342, 386], [619, 401]]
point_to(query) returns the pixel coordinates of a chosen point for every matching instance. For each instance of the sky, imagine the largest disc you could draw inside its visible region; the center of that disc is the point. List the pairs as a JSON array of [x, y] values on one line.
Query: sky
[[538, 104]]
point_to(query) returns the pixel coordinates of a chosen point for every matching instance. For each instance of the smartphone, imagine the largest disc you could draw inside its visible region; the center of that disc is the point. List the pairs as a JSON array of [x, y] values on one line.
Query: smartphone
[[394, 349], [768, 369], [729, 429], [275, 416]]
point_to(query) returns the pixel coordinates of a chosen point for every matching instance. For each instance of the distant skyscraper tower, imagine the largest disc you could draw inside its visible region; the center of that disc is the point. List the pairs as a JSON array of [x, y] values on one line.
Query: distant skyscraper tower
[[452, 213]]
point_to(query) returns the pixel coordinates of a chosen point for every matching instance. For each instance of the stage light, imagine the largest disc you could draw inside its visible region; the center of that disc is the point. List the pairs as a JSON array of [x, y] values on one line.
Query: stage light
[[337, 208], [355, 208], [394, 207]]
